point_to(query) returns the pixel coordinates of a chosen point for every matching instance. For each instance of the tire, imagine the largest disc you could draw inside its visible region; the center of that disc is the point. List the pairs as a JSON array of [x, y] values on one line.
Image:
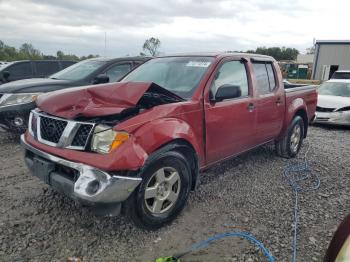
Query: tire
[[146, 206], [290, 144]]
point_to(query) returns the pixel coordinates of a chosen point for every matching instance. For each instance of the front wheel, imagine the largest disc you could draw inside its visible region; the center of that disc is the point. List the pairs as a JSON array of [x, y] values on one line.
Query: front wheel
[[290, 144], [163, 192]]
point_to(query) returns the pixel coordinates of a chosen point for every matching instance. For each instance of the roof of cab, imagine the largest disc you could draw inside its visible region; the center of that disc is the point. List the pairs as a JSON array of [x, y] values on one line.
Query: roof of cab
[[222, 55], [126, 58]]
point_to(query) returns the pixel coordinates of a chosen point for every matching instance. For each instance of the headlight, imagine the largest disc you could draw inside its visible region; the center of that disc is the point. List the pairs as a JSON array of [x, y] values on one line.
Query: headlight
[[105, 140], [15, 99]]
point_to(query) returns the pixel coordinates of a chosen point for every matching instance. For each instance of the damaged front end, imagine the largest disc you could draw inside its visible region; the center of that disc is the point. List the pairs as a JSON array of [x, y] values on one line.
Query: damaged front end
[[69, 119], [100, 190], [83, 121]]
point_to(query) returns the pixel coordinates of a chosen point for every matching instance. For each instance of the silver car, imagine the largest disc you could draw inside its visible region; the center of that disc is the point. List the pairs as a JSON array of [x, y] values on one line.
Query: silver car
[[333, 106]]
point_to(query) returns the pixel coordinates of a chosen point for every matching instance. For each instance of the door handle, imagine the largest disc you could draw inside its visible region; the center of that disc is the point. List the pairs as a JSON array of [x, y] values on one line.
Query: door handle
[[279, 100], [251, 107]]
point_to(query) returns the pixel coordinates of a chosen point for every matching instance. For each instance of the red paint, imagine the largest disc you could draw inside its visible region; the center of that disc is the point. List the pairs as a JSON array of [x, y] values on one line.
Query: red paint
[[89, 101], [215, 130]]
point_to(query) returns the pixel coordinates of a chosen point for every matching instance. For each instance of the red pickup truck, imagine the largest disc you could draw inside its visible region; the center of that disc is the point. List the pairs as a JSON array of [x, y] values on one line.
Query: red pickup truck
[[138, 145]]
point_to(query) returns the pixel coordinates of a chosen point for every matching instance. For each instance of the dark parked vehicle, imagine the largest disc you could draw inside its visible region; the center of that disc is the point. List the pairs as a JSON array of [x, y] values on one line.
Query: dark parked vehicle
[[17, 98], [18, 70]]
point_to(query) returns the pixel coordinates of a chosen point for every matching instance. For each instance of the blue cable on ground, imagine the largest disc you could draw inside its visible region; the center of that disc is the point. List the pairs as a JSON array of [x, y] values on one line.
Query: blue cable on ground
[[295, 175], [251, 238]]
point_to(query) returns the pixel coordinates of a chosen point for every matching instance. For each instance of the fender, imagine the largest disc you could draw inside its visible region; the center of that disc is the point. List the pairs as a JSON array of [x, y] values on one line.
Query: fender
[[157, 133]]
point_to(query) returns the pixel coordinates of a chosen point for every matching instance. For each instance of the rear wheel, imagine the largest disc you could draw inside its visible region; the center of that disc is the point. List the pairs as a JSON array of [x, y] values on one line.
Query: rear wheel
[[163, 192], [290, 144]]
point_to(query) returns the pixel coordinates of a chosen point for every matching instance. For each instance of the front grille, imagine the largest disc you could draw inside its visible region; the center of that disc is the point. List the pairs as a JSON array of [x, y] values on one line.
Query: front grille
[[58, 132], [51, 129], [82, 135], [324, 109]]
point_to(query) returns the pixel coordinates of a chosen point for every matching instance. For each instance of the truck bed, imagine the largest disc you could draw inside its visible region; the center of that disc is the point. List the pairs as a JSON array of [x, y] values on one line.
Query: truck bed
[[303, 94]]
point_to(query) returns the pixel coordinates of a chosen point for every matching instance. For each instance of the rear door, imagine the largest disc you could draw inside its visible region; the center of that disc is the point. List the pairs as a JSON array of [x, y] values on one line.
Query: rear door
[[46, 68], [230, 124], [270, 102]]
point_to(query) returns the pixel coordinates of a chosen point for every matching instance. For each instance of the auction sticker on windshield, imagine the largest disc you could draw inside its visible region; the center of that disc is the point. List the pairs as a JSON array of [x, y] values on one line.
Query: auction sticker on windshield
[[198, 63]]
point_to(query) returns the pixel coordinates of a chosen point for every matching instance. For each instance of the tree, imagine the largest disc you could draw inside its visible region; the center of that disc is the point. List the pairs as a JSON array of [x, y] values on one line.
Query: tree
[[62, 56], [151, 46], [289, 53], [59, 54], [28, 51], [277, 52]]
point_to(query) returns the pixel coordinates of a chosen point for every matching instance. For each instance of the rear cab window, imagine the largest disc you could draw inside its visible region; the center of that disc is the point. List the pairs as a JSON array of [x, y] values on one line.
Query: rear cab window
[[265, 77], [341, 75], [65, 64]]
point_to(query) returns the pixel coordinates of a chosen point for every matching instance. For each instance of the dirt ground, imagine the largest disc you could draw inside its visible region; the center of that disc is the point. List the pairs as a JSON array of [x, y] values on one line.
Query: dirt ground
[[245, 193]]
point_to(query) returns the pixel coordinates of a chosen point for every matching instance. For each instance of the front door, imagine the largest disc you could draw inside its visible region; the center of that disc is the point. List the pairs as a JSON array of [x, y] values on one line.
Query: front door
[[230, 123]]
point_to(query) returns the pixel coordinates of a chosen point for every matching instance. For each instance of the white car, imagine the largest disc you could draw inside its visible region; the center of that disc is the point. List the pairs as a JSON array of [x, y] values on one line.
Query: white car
[[333, 106]]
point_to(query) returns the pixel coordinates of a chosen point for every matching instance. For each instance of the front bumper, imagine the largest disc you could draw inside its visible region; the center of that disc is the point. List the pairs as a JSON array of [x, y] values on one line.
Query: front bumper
[[8, 115], [86, 184], [341, 118]]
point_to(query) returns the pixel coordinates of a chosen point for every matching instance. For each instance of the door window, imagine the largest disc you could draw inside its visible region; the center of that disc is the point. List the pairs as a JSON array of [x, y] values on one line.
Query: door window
[[271, 76], [265, 77], [20, 70], [231, 73], [46, 68], [116, 72]]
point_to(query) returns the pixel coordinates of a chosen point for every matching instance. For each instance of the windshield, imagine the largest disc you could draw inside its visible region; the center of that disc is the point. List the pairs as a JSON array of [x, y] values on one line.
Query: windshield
[[79, 70], [335, 89], [4, 65], [180, 75]]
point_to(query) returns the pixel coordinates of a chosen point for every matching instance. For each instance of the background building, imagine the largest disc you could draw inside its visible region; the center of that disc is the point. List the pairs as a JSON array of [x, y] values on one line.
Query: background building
[[330, 56], [305, 58]]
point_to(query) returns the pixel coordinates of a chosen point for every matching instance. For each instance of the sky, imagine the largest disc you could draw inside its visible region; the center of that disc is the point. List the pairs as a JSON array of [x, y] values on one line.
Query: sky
[[79, 26]]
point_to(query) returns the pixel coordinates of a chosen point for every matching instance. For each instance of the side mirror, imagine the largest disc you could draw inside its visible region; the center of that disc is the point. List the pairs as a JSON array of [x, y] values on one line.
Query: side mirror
[[6, 75], [101, 79], [227, 91]]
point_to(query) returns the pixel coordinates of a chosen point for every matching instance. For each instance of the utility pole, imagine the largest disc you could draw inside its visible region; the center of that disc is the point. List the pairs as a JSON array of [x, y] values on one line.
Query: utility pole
[[105, 44]]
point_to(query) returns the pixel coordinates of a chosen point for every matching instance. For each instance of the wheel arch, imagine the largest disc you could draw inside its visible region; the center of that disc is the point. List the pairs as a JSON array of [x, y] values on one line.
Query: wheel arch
[[297, 108], [302, 113], [185, 148]]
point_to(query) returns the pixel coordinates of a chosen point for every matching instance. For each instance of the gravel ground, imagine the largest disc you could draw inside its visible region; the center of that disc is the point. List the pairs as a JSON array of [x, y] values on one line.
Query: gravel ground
[[245, 193]]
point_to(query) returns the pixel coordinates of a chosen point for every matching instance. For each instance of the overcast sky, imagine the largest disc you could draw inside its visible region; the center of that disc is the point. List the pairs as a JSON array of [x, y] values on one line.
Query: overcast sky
[[79, 26]]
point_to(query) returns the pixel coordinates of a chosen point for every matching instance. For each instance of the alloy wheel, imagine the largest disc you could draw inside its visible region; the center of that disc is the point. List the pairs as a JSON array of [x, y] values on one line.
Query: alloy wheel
[[162, 190]]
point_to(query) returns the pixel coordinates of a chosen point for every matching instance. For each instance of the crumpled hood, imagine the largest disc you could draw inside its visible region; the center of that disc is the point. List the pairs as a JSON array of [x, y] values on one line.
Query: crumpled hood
[[97, 100], [336, 102]]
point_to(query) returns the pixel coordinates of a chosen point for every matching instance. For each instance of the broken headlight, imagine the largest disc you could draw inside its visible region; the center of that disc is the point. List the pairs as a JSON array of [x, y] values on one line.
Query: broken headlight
[[104, 139], [16, 99]]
